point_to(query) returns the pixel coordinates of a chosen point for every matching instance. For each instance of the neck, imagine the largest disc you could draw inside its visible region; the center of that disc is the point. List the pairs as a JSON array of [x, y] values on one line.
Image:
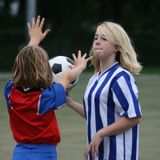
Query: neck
[[105, 65]]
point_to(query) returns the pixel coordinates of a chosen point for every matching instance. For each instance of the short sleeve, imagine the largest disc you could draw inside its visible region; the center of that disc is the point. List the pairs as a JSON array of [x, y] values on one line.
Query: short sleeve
[[7, 90], [52, 98], [125, 96]]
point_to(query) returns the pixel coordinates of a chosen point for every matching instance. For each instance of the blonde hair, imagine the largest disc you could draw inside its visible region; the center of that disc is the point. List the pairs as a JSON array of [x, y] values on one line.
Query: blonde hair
[[31, 68], [126, 54]]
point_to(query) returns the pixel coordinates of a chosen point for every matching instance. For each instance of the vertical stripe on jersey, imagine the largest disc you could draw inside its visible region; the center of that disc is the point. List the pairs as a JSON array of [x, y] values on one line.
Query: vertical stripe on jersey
[[134, 143], [111, 119], [121, 97], [124, 146], [99, 123], [84, 109], [89, 110]]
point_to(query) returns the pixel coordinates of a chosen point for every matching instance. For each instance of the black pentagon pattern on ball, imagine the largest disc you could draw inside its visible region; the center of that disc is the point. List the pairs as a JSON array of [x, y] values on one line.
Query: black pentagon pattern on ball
[[70, 61], [56, 68]]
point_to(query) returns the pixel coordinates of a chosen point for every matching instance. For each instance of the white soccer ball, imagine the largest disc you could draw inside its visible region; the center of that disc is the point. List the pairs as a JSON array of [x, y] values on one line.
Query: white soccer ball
[[60, 64]]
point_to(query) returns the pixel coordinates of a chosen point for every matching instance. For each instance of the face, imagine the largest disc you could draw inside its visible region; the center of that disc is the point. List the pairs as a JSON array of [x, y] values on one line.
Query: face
[[102, 48]]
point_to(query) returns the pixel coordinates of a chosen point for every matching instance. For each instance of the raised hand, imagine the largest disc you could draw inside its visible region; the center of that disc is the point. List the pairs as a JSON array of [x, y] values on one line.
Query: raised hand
[[81, 60], [35, 30]]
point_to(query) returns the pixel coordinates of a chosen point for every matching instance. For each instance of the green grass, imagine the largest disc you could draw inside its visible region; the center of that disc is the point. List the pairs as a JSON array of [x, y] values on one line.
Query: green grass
[[151, 70], [72, 126]]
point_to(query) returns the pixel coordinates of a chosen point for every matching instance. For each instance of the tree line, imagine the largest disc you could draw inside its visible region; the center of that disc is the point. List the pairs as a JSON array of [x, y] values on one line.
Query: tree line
[[73, 23]]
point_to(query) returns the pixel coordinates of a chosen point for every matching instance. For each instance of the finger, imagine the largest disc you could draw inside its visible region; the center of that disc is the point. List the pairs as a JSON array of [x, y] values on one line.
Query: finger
[[93, 152], [86, 153], [85, 156], [74, 57], [46, 32], [89, 58], [79, 54], [97, 151], [84, 56], [33, 22], [37, 21], [41, 23], [28, 26]]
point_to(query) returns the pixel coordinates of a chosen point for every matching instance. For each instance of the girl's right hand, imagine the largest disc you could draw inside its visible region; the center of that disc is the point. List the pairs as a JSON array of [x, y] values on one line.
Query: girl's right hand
[[80, 64], [81, 61], [70, 75]]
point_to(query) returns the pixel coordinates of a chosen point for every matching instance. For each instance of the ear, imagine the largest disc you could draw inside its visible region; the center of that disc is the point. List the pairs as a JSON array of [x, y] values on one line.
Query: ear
[[116, 48]]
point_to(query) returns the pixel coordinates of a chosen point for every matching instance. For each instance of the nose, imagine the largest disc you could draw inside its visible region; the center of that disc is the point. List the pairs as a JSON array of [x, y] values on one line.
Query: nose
[[98, 41]]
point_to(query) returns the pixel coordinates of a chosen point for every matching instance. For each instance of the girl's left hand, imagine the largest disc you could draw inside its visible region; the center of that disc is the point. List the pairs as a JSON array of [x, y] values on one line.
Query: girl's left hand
[[93, 147], [35, 31]]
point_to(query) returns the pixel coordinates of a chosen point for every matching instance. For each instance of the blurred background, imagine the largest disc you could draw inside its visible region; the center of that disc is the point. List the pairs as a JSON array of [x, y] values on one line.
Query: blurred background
[[73, 23]]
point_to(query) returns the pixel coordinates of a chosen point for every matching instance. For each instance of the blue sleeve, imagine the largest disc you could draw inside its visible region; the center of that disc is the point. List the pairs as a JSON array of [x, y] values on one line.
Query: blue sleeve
[[125, 97], [52, 98], [7, 90]]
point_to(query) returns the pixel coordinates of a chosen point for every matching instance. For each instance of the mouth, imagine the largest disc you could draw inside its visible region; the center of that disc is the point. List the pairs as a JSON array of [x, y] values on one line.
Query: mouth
[[97, 49]]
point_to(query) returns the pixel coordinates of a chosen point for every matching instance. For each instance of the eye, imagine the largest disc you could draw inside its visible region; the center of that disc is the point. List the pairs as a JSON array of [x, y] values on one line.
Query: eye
[[96, 37], [104, 38]]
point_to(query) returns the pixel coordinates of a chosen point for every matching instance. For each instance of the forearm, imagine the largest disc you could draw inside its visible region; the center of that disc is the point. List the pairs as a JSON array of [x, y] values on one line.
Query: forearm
[[33, 42], [119, 126], [69, 76], [77, 107]]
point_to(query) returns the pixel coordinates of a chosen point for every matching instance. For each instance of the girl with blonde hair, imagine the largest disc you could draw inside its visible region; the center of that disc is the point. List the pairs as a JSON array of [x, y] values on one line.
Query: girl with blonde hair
[[126, 54], [111, 104]]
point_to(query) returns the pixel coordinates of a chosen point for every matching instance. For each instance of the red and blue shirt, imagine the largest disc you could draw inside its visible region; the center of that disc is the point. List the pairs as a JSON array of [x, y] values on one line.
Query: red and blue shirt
[[31, 112]]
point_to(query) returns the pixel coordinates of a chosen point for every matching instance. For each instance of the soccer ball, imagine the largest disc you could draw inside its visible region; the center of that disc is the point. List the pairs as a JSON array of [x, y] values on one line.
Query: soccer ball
[[60, 64]]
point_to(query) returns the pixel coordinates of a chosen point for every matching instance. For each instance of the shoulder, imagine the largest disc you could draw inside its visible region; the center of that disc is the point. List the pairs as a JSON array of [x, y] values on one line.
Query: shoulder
[[53, 87], [7, 90], [8, 87], [54, 91], [52, 97], [9, 84], [123, 79], [122, 74]]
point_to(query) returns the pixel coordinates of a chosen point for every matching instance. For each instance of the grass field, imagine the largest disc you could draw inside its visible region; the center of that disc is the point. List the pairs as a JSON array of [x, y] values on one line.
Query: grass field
[[73, 141]]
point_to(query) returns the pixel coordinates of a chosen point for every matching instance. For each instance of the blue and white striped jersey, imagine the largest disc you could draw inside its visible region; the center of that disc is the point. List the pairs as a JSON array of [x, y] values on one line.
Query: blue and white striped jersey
[[109, 96]]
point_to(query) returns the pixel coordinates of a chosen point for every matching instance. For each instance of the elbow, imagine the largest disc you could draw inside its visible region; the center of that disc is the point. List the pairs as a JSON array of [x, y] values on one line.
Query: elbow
[[139, 119], [135, 121]]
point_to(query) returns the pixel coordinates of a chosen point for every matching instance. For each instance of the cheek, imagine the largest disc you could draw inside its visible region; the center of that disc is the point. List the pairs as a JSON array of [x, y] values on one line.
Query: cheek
[[93, 45], [109, 48]]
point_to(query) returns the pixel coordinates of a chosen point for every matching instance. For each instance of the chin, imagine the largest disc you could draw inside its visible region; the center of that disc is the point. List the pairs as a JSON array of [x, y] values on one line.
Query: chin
[[99, 55]]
